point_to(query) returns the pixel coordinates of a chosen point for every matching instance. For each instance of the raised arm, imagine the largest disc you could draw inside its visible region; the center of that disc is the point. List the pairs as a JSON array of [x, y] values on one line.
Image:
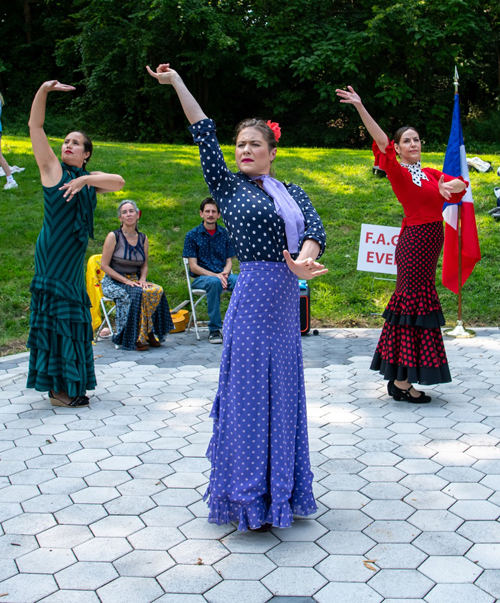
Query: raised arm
[[165, 75], [350, 97], [48, 163]]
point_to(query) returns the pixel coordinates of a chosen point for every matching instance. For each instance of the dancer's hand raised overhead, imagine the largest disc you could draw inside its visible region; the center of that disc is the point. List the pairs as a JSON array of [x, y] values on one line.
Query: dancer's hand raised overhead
[[55, 86], [349, 96], [164, 74]]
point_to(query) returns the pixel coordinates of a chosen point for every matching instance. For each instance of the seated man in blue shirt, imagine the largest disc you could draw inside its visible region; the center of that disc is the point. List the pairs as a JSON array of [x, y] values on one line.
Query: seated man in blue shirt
[[209, 250]]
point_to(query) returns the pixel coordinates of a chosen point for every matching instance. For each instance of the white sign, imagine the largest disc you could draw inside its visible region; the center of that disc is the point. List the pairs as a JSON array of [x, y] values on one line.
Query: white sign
[[377, 248]]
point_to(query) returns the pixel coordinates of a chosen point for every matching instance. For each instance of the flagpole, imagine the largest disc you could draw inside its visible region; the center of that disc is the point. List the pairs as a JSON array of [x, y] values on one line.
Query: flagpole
[[459, 331]]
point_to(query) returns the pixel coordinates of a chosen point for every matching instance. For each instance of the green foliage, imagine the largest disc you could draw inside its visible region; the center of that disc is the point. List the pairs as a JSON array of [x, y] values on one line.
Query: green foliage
[[167, 184], [255, 57]]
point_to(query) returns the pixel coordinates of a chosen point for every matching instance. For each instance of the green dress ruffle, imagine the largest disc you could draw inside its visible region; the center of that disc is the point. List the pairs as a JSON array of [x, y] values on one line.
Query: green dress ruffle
[[60, 338]]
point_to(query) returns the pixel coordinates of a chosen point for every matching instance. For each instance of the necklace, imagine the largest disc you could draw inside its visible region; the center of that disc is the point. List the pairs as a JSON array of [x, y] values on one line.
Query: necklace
[[131, 236]]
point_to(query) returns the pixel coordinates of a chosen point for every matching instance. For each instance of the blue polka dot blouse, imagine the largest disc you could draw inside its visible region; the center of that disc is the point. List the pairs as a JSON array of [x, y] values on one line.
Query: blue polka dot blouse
[[258, 233]]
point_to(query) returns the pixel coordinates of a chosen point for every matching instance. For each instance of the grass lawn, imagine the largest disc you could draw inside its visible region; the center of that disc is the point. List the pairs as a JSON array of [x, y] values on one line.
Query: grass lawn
[[167, 184]]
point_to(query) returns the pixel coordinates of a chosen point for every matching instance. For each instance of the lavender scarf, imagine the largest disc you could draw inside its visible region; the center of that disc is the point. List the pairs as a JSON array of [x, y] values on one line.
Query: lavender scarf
[[286, 208]]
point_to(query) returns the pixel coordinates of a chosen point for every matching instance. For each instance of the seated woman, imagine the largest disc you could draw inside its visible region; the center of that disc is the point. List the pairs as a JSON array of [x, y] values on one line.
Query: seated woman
[[142, 312]]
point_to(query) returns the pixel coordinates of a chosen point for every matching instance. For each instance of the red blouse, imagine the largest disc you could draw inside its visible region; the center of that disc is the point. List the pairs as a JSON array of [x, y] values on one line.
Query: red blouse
[[421, 205]]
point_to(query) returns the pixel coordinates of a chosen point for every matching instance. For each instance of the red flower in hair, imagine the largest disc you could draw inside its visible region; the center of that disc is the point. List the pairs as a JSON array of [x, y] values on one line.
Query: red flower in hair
[[140, 213], [275, 127]]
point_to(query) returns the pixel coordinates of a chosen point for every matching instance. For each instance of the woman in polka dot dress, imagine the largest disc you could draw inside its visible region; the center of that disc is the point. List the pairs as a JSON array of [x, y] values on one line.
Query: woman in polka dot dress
[[259, 451], [411, 349]]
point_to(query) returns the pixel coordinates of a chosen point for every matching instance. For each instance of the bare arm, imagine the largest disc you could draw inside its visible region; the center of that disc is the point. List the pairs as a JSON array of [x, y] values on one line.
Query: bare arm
[[228, 266], [107, 254], [103, 183], [190, 105], [50, 168], [379, 136]]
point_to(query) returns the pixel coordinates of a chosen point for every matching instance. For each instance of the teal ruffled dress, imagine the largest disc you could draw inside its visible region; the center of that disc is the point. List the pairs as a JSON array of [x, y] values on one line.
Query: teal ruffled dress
[[60, 338]]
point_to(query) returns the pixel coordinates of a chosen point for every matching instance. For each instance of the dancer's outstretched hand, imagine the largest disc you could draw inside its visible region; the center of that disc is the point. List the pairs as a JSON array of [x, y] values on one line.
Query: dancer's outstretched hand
[[163, 74], [445, 189], [305, 269], [349, 96], [55, 86]]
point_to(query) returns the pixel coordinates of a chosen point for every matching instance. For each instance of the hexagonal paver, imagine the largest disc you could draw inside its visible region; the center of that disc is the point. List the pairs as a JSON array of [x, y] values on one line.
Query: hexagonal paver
[[297, 582], [238, 590], [116, 526], [345, 520], [391, 531], [86, 576], [435, 521], [21, 589], [167, 516], [201, 529], [401, 584], [46, 561], [346, 543], [189, 579], [144, 564], [464, 593], [450, 569], [29, 523], [442, 543], [156, 539], [129, 505], [102, 549], [476, 510], [80, 514], [486, 556], [345, 568], [489, 581], [296, 554], [481, 531], [245, 542], [95, 495], [198, 552], [397, 556], [244, 567], [344, 500], [66, 536], [8, 569], [343, 592], [388, 509], [142, 590]]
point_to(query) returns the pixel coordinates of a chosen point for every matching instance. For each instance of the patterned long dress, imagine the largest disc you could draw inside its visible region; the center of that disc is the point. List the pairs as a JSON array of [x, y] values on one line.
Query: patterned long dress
[[259, 450], [411, 344], [60, 338]]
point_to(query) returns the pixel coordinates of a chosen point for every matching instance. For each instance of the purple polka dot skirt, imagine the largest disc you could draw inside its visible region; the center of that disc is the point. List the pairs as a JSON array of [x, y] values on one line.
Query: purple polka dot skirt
[[259, 450]]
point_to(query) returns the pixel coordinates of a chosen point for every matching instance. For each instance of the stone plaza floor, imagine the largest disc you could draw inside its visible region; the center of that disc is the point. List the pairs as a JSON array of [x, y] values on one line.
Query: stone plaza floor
[[105, 504]]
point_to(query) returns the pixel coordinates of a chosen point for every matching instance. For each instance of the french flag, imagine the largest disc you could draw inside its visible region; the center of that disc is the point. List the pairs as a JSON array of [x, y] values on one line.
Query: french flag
[[455, 164]]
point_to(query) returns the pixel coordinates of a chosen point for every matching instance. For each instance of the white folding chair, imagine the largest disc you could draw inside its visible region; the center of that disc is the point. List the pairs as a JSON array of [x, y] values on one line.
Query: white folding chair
[[106, 313], [200, 292]]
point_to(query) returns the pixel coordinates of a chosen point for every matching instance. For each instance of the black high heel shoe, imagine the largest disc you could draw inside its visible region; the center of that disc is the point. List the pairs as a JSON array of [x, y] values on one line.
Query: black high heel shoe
[[404, 394]]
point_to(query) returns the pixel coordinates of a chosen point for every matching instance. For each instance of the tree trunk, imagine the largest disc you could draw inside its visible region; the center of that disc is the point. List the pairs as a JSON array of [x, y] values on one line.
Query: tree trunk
[[27, 20]]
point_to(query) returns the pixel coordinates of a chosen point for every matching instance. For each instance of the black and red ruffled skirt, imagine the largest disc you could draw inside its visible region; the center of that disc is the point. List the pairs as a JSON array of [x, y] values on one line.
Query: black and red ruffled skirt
[[411, 344]]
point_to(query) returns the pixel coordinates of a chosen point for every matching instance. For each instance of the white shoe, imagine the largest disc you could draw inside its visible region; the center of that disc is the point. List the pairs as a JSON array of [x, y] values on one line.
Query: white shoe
[[9, 185]]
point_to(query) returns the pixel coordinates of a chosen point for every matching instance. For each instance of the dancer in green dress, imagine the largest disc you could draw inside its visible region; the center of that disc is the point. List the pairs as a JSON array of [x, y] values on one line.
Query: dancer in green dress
[[60, 339]]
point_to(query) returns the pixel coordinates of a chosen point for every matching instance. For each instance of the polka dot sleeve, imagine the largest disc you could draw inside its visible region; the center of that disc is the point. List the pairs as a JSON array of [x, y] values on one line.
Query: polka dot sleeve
[[215, 171], [314, 228]]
